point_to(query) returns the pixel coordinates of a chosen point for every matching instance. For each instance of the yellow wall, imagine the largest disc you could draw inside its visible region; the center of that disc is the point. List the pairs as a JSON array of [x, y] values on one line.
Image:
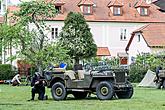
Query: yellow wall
[[157, 50]]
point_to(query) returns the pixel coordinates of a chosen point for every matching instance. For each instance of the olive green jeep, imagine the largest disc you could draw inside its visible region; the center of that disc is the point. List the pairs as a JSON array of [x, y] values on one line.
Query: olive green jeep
[[104, 83]]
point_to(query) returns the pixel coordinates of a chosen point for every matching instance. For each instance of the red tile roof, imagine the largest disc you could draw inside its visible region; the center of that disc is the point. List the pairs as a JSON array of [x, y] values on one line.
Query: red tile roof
[[12, 8], [115, 3], [101, 12], [153, 34], [86, 2], [103, 51], [141, 3], [59, 2], [1, 19]]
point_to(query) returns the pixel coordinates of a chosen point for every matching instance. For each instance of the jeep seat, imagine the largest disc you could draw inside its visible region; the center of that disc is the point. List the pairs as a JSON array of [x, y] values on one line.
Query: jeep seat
[[59, 70], [71, 74], [81, 74]]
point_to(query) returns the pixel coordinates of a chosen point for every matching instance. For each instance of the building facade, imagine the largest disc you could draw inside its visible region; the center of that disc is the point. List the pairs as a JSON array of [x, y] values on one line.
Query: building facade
[[111, 21], [147, 39]]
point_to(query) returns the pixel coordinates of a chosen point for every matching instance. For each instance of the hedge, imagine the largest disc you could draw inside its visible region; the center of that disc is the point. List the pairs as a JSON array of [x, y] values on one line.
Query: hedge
[[6, 72], [137, 73]]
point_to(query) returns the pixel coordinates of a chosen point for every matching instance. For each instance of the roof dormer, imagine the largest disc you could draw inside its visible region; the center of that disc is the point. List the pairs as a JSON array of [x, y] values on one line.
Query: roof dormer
[[59, 6], [115, 7], [86, 6], [143, 8]]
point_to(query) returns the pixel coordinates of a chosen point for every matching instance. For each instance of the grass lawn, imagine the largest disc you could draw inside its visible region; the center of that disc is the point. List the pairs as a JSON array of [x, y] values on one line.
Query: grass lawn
[[15, 98]]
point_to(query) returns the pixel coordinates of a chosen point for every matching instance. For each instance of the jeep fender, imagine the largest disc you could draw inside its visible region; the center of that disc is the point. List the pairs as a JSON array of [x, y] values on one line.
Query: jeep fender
[[97, 80], [56, 79]]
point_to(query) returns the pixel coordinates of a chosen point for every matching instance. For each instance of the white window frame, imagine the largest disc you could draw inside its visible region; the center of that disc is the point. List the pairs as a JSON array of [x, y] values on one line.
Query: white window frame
[[87, 10], [139, 38], [123, 34], [54, 32], [144, 11], [116, 11]]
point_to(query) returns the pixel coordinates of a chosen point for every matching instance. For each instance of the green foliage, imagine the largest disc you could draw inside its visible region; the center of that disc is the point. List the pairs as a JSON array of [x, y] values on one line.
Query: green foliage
[[33, 45], [148, 61], [113, 62], [143, 63], [137, 73], [6, 72], [8, 33], [50, 53], [77, 38], [33, 11]]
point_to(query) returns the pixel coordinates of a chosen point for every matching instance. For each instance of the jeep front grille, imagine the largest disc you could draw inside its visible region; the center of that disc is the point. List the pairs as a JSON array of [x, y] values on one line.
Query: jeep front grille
[[120, 76]]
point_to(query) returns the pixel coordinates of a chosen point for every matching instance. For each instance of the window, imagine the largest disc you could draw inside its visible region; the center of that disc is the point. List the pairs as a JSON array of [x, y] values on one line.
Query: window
[[54, 33], [123, 34], [117, 11], [144, 11], [58, 8], [0, 6], [87, 10], [138, 38]]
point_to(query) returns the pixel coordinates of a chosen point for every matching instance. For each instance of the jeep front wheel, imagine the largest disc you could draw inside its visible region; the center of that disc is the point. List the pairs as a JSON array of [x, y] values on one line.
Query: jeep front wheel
[[127, 94], [58, 91], [104, 90]]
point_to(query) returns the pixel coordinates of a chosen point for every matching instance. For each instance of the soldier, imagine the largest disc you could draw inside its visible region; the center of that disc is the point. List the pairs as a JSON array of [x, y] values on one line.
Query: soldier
[[16, 80], [157, 72], [38, 86]]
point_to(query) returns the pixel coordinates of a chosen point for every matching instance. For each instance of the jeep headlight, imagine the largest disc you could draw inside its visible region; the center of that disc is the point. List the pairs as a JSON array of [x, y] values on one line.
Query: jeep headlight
[[126, 74], [113, 74]]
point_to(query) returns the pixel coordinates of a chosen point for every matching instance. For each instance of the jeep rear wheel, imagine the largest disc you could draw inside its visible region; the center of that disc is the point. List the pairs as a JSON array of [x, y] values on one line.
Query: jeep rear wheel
[[80, 95], [104, 90], [58, 91]]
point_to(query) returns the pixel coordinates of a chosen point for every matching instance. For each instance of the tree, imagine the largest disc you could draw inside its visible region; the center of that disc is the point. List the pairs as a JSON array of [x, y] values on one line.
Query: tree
[[77, 38], [34, 45]]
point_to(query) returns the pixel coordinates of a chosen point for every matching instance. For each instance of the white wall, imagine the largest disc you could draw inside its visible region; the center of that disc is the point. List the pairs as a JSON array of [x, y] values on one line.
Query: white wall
[[157, 50], [137, 47], [3, 7], [107, 34]]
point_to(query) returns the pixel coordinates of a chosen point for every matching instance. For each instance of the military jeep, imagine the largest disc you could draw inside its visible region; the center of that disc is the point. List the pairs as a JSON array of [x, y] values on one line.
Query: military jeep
[[104, 83]]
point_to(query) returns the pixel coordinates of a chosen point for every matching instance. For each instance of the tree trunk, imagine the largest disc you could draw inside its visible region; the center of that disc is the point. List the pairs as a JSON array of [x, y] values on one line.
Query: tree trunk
[[39, 67], [76, 61]]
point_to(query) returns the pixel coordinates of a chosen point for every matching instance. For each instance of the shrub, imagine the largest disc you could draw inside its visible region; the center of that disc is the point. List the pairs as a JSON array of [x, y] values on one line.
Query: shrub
[[6, 72], [136, 73], [143, 63]]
